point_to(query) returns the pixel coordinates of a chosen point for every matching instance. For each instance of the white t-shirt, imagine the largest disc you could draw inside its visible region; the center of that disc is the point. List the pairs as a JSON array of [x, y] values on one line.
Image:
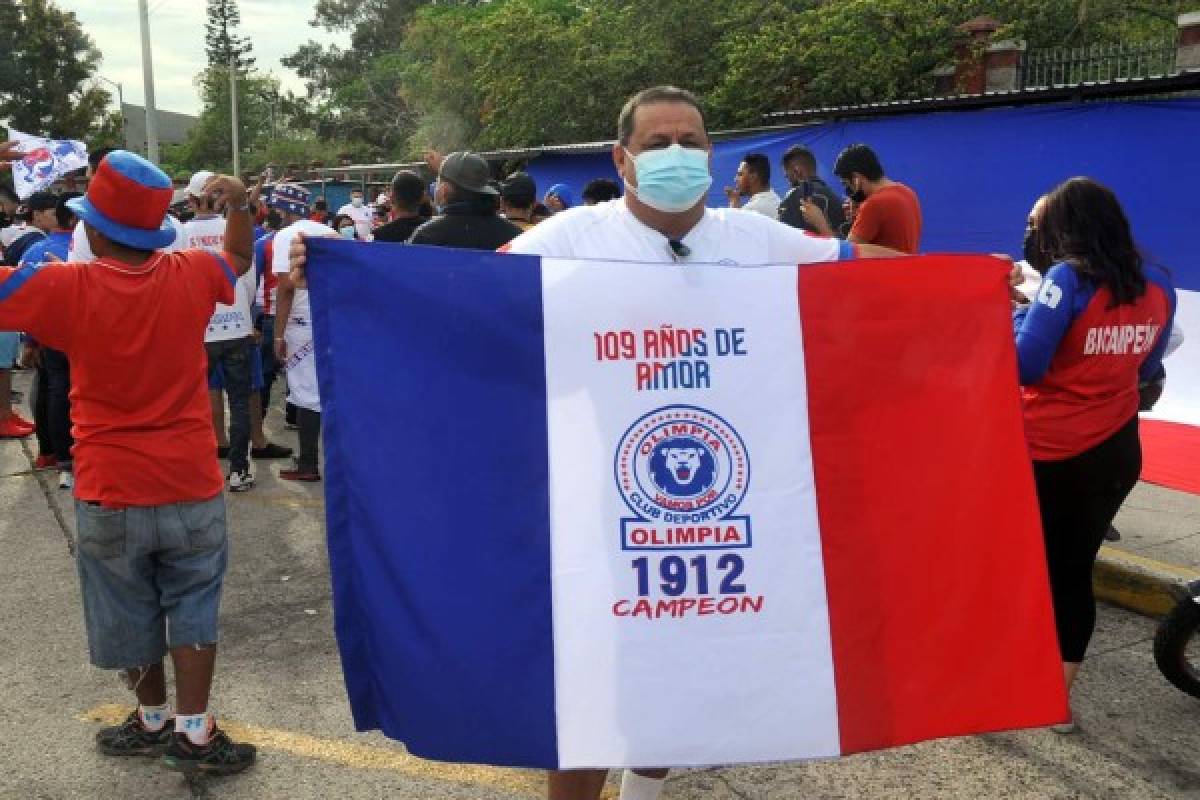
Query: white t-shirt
[[279, 259], [79, 251], [765, 203], [362, 216], [728, 236], [227, 322]]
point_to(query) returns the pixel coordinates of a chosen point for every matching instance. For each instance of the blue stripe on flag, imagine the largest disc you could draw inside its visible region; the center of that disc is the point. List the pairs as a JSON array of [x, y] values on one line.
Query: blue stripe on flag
[[432, 380]]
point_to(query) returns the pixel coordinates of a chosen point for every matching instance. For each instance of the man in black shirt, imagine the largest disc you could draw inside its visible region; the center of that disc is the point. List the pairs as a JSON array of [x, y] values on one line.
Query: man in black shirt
[[468, 202], [407, 195], [801, 168]]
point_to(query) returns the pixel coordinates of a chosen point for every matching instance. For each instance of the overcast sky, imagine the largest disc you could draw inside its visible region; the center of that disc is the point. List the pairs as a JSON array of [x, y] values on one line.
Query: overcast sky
[[275, 28]]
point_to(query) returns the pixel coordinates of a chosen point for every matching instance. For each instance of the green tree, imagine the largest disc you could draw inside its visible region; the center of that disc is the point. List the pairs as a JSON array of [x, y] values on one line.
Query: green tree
[[210, 142], [46, 74], [221, 44], [510, 73]]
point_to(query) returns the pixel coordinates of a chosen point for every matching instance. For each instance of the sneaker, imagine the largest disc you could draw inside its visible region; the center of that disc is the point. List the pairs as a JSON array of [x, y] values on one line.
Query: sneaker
[[222, 451], [241, 481], [221, 756], [45, 461], [298, 473], [271, 450], [14, 427], [66, 480], [131, 738]]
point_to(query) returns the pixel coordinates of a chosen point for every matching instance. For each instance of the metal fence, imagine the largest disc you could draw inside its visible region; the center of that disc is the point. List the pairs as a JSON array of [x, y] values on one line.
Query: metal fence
[[1065, 66]]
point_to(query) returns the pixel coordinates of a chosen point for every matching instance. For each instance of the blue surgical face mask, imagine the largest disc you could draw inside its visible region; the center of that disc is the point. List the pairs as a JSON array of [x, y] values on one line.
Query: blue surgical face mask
[[347, 231], [671, 179]]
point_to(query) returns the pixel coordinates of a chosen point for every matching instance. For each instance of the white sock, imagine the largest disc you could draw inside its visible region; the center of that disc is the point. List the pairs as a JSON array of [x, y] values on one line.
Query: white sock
[[194, 726], [639, 787], [154, 717]]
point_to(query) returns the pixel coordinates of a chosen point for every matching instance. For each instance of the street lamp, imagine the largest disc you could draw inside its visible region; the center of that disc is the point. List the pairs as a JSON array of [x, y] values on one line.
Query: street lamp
[[121, 107]]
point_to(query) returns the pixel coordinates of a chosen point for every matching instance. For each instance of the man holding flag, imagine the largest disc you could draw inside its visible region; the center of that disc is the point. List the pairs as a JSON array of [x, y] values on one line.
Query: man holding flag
[[663, 154]]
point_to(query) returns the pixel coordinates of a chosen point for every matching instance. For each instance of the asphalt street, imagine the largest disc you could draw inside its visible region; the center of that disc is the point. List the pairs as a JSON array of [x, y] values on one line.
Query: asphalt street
[[279, 685]]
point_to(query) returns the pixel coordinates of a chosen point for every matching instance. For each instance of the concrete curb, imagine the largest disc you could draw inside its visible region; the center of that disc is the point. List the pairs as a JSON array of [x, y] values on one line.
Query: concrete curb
[[1138, 583]]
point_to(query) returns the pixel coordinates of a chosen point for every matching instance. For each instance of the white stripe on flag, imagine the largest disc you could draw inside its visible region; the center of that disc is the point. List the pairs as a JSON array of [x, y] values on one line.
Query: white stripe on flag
[[705, 686], [1181, 396]]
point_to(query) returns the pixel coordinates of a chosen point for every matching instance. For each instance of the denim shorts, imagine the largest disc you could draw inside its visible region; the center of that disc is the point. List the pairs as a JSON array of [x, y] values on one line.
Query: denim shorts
[[150, 577], [10, 349]]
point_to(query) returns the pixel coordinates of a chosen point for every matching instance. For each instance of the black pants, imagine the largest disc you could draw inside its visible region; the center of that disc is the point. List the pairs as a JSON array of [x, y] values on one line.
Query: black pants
[[309, 423], [39, 404], [1079, 498], [270, 366], [58, 404]]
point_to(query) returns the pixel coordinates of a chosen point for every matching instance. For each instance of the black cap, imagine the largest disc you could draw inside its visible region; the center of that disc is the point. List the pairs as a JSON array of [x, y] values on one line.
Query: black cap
[[467, 171], [519, 188], [42, 201]]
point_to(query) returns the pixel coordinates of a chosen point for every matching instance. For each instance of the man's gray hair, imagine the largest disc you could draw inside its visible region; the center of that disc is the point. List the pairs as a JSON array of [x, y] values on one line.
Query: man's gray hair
[[655, 94]]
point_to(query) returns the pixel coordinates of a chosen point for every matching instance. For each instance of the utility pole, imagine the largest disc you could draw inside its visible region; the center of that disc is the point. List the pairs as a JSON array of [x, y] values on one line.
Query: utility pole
[[233, 115], [148, 78]]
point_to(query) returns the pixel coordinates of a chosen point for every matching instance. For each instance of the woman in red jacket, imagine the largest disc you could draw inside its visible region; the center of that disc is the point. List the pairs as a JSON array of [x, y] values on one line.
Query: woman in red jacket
[[1098, 324]]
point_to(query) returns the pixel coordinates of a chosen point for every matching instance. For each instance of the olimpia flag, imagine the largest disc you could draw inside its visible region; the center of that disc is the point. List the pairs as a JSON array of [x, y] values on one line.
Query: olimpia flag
[[589, 514], [43, 161]]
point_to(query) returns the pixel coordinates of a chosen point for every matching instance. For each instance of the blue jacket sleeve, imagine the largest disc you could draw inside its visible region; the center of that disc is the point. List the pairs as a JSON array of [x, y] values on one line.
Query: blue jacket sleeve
[[1149, 369], [1041, 328]]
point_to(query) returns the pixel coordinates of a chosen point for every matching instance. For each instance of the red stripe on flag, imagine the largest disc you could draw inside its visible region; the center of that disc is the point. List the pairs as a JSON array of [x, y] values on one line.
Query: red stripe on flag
[[939, 600], [1171, 455]]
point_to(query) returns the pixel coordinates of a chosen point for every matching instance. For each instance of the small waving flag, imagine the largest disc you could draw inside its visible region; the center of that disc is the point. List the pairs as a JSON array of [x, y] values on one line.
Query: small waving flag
[[45, 161]]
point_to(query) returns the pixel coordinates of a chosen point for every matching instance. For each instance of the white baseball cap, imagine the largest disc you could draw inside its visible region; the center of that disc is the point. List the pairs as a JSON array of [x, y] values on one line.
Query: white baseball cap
[[195, 186]]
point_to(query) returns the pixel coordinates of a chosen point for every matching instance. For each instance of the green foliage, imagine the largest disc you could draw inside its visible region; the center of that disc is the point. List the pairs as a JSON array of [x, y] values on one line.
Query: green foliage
[[209, 143], [47, 64], [509, 73], [221, 44]]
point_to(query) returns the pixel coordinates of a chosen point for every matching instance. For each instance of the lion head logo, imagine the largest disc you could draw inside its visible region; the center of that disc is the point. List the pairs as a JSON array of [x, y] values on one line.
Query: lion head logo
[[682, 467]]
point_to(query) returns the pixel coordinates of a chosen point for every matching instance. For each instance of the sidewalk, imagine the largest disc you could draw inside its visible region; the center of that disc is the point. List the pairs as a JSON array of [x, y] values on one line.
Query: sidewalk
[[1159, 550]]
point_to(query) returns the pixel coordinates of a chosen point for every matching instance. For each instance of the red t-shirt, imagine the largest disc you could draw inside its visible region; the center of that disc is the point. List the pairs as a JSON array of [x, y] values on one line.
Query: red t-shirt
[[139, 390], [890, 218]]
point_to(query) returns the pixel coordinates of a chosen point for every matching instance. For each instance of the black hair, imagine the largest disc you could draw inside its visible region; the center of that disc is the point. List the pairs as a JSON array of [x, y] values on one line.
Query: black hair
[[760, 165], [274, 220], [600, 190], [656, 94], [41, 201], [1083, 224], [858, 158], [407, 189], [8, 194], [63, 215], [97, 155], [321, 205], [799, 152]]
